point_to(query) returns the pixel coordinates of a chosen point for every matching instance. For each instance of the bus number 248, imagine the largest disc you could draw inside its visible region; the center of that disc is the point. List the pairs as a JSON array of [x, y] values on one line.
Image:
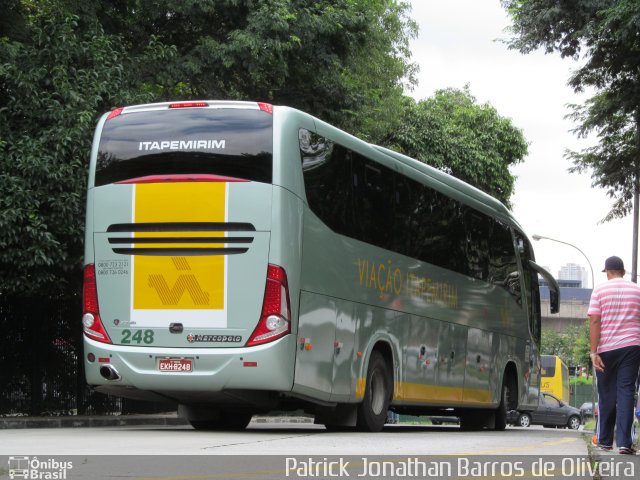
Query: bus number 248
[[137, 336]]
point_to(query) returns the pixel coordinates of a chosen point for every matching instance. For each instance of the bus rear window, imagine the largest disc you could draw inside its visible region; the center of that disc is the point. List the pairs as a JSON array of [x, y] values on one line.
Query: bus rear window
[[548, 364], [234, 143]]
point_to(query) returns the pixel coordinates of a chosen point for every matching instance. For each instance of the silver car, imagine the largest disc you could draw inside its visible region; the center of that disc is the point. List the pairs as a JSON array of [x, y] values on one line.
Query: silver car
[[587, 410]]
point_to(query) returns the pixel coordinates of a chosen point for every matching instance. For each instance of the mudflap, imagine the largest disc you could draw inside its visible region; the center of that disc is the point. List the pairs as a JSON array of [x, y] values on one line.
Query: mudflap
[[343, 415]]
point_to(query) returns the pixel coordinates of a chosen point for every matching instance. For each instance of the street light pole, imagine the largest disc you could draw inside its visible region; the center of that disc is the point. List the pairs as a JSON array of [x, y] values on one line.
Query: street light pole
[[541, 237]]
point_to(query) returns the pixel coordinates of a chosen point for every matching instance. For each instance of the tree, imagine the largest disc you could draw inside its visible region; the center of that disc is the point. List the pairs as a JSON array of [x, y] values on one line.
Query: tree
[[53, 80], [582, 346], [472, 142], [556, 343], [571, 345], [604, 32], [343, 61], [65, 62]]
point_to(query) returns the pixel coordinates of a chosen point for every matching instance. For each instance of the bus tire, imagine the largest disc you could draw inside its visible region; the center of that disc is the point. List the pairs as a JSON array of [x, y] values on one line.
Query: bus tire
[[474, 420], [372, 412], [506, 401]]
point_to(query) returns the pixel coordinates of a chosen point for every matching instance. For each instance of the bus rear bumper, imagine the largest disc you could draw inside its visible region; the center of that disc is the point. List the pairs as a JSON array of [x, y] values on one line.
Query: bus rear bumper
[[268, 367]]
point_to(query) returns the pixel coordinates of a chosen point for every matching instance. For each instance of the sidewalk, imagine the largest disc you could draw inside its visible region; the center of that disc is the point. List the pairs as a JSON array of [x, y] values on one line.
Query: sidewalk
[[606, 459]]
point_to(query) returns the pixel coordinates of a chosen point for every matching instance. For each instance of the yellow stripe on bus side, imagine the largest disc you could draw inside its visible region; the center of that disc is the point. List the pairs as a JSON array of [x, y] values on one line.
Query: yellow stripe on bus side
[[416, 392], [428, 393], [164, 282]]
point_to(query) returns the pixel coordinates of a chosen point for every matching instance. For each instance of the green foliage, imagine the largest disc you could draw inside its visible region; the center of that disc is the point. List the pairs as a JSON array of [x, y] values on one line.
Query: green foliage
[[335, 59], [605, 33], [51, 85], [615, 160], [571, 345], [65, 62], [452, 132], [582, 346], [581, 380], [556, 343], [550, 24]]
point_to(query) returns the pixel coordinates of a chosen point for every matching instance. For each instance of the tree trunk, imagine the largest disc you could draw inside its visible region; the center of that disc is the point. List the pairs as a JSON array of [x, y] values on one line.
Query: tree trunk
[[634, 255], [636, 206]]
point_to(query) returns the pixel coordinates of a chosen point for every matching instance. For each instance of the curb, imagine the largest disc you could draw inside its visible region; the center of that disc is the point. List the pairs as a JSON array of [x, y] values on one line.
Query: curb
[[602, 457], [82, 421]]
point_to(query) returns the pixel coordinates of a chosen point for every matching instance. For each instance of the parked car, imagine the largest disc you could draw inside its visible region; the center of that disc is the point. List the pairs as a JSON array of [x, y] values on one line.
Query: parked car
[[551, 412], [587, 410]]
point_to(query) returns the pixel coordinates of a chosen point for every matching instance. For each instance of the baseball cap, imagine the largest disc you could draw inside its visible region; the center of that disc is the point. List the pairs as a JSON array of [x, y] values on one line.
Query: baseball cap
[[613, 263]]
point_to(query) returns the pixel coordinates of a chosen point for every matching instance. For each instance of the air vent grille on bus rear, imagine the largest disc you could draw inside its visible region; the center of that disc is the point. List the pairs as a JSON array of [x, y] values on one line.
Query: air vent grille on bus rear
[[184, 242]]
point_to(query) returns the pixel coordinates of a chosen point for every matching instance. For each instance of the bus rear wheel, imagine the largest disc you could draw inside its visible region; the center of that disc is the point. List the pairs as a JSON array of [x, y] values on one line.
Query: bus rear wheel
[[507, 402], [372, 412], [474, 420]]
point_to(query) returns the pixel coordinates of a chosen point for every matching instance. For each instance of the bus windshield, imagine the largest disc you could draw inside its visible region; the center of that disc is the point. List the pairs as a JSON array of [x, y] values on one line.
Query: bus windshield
[[229, 142]]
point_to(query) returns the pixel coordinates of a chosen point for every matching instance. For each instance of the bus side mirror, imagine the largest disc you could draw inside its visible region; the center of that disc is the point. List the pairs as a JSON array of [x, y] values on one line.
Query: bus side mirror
[[554, 288]]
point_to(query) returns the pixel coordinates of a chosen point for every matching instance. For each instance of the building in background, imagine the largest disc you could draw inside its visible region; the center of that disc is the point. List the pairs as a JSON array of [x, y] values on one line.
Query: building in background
[[574, 299], [574, 303], [573, 271]]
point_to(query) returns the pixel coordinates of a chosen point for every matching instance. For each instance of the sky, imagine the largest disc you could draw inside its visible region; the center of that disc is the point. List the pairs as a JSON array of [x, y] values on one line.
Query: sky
[[458, 44]]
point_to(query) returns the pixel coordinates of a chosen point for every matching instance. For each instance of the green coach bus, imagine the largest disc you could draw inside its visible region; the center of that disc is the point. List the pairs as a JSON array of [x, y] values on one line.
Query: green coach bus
[[243, 258]]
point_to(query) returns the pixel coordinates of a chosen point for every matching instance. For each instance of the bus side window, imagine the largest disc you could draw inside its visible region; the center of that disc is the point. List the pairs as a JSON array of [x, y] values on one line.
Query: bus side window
[[503, 266], [374, 201], [327, 176], [409, 226], [531, 285], [448, 233], [476, 243], [428, 226]]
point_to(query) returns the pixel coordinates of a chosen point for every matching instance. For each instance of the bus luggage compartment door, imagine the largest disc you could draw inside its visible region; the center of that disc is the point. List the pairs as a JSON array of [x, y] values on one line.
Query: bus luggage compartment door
[[318, 347]]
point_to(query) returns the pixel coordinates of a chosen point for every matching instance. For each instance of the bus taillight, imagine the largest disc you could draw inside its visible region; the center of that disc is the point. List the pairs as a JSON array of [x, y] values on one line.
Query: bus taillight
[[114, 113], [275, 321], [91, 322], [189, 105], [265, 107]]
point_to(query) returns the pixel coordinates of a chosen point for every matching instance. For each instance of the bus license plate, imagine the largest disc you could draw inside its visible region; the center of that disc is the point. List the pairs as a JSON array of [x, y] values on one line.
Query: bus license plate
[[175, 365]]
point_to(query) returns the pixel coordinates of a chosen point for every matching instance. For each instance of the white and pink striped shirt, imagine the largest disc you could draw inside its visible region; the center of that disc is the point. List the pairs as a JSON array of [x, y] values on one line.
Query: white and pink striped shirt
[[618, 304]]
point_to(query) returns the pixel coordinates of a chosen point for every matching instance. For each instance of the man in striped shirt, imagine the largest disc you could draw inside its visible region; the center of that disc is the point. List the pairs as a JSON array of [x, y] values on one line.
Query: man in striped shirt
[[614, 321]]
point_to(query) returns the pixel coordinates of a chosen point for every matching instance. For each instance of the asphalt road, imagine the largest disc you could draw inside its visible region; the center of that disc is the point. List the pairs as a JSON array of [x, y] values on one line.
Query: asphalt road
[[293, 439], [269, 451]]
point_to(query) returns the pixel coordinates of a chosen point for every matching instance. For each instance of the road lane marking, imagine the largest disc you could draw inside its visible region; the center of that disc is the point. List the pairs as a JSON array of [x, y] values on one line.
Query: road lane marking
[[562, 441]]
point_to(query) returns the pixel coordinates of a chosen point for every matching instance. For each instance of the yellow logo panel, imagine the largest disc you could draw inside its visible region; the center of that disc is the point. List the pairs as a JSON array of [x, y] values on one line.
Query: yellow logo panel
[[179, 282]]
